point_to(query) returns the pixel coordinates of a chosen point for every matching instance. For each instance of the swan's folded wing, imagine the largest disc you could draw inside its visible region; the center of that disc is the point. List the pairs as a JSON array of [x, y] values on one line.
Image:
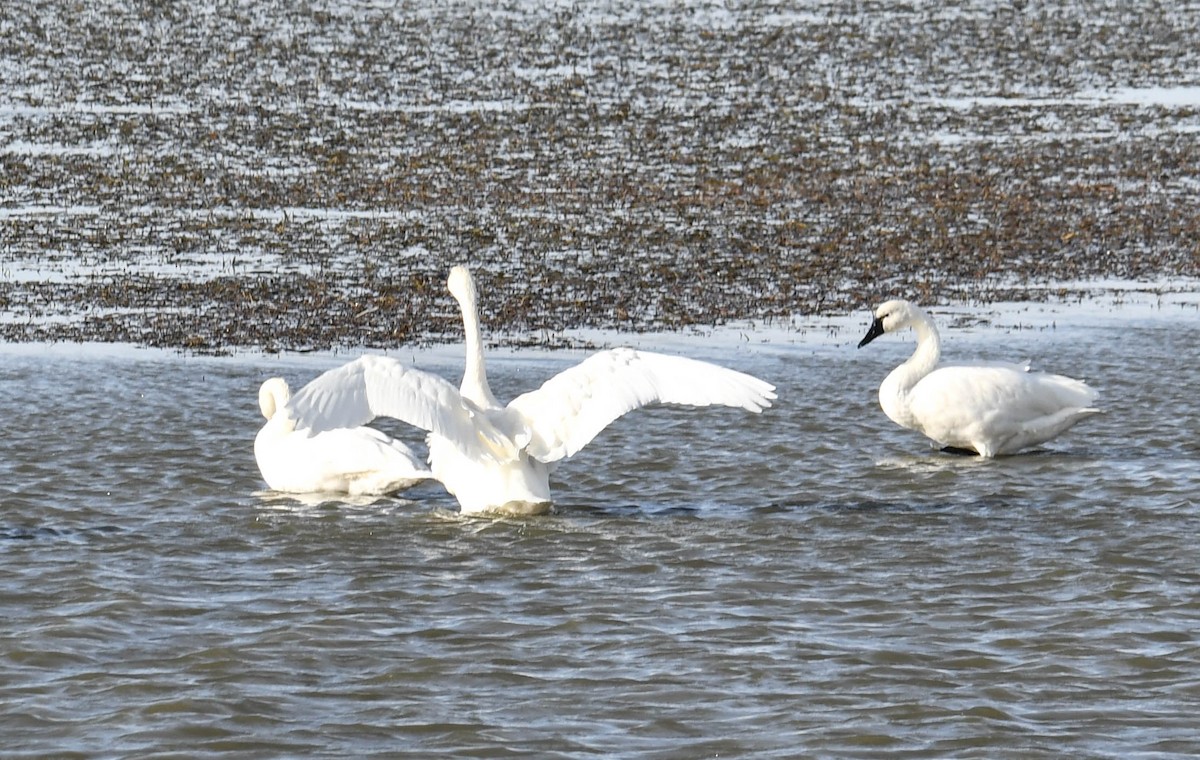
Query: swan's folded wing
[[570, 409], [379, 386], [958, 395], [361, 450]]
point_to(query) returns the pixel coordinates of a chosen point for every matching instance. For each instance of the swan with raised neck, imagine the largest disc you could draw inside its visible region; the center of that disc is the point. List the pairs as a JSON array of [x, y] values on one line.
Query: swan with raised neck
[[990, 408], [498, 458]]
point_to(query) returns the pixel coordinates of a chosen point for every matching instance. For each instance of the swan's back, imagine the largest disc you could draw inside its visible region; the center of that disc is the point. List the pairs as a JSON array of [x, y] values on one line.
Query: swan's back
[[1003, 385], [358, 460]]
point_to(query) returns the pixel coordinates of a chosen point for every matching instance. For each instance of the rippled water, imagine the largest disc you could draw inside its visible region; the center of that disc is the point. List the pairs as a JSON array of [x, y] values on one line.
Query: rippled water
[[813, 581]]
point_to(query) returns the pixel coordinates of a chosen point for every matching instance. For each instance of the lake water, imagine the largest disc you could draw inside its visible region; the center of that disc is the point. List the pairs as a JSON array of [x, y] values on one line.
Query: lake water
[[813, 581]]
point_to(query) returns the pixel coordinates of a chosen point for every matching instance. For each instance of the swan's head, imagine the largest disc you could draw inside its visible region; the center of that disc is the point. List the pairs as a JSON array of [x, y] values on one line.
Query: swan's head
[[892, 316], [461, 285], [273, 395]]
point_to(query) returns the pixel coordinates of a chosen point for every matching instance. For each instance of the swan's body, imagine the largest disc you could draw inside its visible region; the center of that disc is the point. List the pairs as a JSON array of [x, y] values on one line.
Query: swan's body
[[353, 460], [495, 457], [990, 408]]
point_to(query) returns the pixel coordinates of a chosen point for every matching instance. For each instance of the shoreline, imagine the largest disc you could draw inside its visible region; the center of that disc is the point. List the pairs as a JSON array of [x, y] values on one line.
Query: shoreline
[[1065, 306]]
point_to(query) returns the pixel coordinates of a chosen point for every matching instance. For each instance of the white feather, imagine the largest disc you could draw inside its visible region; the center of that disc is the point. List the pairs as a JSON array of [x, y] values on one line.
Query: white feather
[[992, 408], [380, 386], [495, 457], [346, 459], [570, 409]]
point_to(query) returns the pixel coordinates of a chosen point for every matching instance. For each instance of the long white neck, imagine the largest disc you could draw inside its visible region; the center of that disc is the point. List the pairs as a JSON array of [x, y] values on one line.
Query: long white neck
[[474, 384], [893, 393]]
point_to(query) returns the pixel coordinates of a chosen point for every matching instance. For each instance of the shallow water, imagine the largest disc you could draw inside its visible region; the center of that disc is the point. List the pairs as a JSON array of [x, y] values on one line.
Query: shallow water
[[812, 581]]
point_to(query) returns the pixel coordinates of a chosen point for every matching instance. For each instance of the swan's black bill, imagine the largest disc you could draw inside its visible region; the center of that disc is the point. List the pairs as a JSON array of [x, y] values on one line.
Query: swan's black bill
[[873, 333]]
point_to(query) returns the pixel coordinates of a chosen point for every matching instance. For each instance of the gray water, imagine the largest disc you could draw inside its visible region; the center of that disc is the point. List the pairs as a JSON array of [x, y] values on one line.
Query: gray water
[[809, 582]]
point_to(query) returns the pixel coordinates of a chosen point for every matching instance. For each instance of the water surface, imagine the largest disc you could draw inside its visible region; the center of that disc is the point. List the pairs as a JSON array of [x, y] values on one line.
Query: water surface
[[811, 581]]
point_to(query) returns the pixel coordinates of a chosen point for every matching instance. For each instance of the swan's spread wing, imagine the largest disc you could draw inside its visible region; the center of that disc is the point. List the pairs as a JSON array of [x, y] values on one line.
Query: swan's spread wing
[[379, 386], [370, 387], [570, 409]]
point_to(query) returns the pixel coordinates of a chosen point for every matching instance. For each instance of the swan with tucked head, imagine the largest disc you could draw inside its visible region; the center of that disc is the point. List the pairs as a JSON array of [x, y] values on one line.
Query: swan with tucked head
[[497, 457], [990, 408], [353, 460]]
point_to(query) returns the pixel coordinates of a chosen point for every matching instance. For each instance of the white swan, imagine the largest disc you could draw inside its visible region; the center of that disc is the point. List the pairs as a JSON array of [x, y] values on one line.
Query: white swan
[[353, 460], [988, 408], [493, 457]]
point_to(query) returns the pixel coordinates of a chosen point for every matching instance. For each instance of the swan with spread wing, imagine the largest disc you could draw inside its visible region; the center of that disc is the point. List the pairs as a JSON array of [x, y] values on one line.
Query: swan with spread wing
[[497, 457]]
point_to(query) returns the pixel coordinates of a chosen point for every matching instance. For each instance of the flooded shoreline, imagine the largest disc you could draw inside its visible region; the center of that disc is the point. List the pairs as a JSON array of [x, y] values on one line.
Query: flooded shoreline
[[219, 178]]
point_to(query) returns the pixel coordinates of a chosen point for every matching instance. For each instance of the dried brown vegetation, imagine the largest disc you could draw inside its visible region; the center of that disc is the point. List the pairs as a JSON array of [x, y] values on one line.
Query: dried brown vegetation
[[301, 176]]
